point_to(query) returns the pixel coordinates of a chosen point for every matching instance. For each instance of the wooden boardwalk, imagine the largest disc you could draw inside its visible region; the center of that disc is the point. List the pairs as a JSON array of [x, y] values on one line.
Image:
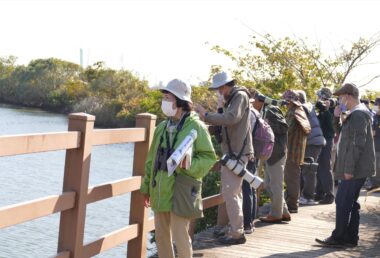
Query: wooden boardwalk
[[296, 239]]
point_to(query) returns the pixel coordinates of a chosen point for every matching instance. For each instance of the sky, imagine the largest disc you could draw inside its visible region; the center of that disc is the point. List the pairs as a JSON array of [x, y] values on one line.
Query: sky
[[161, 40]]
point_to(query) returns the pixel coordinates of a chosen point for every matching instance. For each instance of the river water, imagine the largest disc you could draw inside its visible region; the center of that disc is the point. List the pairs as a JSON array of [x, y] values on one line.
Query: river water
[[32, 176]]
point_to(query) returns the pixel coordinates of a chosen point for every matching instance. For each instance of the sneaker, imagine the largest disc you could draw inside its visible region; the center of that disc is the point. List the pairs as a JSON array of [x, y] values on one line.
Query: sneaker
[[249, 230], [293, 210], [304, 201], [229, 240], [318, 197]]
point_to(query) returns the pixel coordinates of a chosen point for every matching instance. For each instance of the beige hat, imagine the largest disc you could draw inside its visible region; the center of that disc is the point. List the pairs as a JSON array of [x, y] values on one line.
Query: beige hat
[[348, 88], [179, 89]]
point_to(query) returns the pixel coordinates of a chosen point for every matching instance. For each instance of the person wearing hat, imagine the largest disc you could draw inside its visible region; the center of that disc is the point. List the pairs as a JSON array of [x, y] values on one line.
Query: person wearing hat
[[355, 161], [274, 166], [325, 179], [374, 182], [299, 128], [237, 142], [157, 186]]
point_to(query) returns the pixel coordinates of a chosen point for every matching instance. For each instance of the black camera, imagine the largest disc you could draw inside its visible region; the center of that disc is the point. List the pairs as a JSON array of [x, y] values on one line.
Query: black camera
[[321, 106], [270, 101]]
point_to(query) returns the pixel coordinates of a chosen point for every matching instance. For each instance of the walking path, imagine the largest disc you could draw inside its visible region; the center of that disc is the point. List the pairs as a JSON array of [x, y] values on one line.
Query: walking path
[[296, 239]]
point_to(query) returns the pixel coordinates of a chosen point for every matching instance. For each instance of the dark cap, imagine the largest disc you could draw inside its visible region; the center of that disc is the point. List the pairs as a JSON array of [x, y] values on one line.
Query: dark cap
[[348, 88], [292, 96], [377, 102]]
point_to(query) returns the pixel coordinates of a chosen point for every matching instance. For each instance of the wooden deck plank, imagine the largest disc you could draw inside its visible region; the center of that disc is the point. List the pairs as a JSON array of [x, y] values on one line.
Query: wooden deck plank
[[296, 238]]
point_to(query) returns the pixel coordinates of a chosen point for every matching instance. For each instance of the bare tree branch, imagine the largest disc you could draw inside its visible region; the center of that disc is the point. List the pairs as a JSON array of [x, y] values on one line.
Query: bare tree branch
[[365, 84]]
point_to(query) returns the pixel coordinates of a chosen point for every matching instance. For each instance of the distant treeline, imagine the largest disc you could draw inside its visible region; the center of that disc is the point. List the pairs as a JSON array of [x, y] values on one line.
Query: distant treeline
[[114, 97]]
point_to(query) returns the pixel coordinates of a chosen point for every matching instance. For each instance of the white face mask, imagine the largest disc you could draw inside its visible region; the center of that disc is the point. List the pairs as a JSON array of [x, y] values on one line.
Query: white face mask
[[167, 108], [376, 109]]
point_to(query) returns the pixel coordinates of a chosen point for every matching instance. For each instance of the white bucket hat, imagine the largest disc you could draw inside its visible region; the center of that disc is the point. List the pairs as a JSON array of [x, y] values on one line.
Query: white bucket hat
[[220, 79], [179, 89]]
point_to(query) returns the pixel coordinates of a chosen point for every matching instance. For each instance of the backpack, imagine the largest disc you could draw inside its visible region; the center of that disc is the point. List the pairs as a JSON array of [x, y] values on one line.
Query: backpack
[[262, 138]]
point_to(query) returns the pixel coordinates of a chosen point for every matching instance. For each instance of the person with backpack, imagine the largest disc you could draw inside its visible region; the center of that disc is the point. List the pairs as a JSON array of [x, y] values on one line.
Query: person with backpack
[[315, 142], [237, 143], [274, 166], [299, 128]]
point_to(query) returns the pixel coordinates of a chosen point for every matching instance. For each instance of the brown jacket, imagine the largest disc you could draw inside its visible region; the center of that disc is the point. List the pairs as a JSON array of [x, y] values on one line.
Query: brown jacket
[[236, 118], [299, 128]]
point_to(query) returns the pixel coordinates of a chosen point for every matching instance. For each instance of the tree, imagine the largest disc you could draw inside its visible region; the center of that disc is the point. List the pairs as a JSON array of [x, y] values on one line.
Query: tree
[[272, 66]]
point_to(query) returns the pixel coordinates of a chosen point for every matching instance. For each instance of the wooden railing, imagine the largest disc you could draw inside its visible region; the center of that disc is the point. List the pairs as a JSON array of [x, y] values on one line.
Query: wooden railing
[[76, 194]]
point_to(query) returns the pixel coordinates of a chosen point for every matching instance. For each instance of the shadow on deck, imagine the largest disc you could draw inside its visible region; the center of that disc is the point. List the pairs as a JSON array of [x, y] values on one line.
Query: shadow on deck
[[296, 239]]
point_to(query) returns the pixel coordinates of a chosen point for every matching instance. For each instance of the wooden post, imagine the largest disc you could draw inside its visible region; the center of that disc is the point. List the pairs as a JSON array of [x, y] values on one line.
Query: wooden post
[[77, 167], [138, 213]]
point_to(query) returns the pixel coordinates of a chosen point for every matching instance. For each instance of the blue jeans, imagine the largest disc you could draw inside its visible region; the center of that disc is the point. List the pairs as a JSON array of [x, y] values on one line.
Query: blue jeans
[[249, 200], [347, 211]]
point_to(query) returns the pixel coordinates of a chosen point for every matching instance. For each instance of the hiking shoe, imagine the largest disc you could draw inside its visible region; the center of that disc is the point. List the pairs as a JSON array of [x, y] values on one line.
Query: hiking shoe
[[304, 201], [229, 240]]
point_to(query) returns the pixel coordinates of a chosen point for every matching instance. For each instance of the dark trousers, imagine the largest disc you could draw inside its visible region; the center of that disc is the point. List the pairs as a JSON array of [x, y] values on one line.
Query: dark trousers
[[308, 173], [249, 199], [249, 203], [347, 211], [325, 180]]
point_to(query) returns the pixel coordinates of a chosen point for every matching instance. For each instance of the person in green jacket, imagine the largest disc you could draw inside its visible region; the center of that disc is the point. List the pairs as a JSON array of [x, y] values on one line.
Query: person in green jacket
[[159, 187]]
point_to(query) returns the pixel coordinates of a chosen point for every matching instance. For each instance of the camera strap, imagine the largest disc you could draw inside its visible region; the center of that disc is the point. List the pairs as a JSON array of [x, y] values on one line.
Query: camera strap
[[229, 143], [225, 128]]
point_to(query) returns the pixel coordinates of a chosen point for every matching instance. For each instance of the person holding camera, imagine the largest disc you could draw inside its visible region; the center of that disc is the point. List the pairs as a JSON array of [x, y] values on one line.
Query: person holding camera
[[237, 143], [315, 142], [299, 128], [324, 192], [274, 166], [355, 161], [171, 216]]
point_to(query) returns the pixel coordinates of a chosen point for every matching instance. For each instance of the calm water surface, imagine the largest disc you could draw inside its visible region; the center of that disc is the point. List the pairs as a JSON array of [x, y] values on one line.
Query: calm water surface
[[27, 177]]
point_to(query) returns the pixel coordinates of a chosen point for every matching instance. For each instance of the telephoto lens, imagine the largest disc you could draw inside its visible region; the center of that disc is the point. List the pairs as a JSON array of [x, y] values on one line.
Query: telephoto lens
[[270, 101], [238, 168]]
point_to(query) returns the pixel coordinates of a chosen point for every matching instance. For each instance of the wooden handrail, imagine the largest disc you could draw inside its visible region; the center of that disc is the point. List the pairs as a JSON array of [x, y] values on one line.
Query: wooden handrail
[[111, 189], [78, 142], [21, 212], [212, 201], [41, 142], [124, 135], [110, 240]]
